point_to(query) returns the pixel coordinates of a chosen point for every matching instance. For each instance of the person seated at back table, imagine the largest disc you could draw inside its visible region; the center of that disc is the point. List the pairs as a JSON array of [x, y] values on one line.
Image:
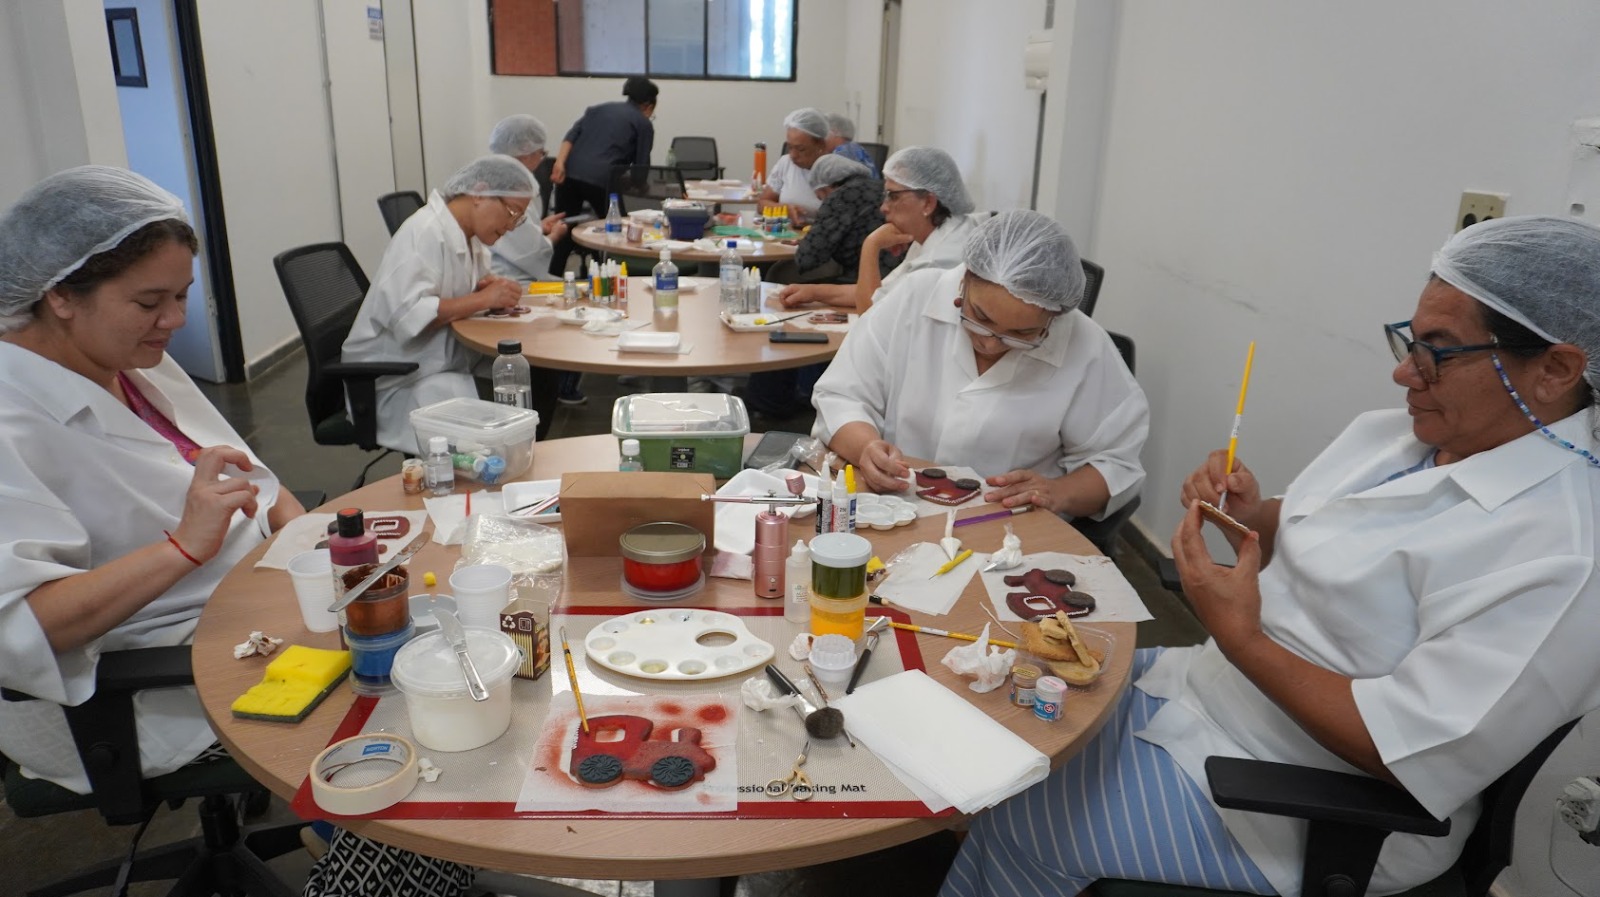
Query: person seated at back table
[[928, 216], [990, 365], [789, 182], [1419, 606], [841, 141], [437, 270]]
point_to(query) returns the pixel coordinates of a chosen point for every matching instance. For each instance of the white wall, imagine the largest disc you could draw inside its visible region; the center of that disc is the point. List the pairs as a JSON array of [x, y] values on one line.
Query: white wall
[[863, 30], [359, 98], [461, 100], [961, 88]]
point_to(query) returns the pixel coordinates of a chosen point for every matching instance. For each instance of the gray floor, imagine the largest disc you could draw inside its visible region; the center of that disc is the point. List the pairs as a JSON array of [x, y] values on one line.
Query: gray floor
[[270, 413]]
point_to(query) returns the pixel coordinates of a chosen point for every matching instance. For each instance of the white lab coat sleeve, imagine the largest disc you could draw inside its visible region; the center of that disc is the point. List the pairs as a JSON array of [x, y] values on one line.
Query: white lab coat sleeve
[[524, 253], [408, 299], [1474, 696], [857, 384], [1107, 421]]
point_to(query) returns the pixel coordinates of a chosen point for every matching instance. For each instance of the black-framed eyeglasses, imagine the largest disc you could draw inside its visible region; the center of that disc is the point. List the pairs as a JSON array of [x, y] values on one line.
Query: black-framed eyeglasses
[[890, 195], [1426, 356], [516, 217], [1010, 342]]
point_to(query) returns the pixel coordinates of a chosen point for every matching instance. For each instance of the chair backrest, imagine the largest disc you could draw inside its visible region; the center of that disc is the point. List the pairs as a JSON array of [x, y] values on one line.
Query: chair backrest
[[1096, 276], [1488, 848], [397, 207], [879, 153], [645, 186], [324, 285], [696, 157], [1124, 345]]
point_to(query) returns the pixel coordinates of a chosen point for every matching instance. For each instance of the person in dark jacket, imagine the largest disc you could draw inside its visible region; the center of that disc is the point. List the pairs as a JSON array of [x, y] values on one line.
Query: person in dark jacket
[[608, 134]]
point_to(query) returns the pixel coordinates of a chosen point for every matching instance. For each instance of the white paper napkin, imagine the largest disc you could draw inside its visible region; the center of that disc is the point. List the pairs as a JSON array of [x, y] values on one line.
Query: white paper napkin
[[304, 532], [1115, 599], [933, 736], [448, 512], [736, 524], [912, 585], [683, 349]]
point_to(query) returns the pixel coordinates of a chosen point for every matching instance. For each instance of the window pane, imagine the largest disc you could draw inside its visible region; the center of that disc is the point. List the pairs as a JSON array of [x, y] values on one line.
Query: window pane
[[602, 37], [750, 38], [677, 37]]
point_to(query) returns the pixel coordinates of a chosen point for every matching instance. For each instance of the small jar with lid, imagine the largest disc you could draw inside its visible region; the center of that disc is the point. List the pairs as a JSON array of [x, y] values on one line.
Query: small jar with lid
[[1023, 678], [839, 584], [661, 561]]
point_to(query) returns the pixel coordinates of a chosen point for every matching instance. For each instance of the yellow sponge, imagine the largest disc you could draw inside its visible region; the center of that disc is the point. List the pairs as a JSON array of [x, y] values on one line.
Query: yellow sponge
[[293, 684]]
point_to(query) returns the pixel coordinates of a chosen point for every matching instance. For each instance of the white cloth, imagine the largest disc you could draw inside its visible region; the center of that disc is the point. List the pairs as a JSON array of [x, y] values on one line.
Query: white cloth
[[1461, 599], [429, 259], [908, 369], [524, 252], [85, 481], [793, 185], [943, 249]]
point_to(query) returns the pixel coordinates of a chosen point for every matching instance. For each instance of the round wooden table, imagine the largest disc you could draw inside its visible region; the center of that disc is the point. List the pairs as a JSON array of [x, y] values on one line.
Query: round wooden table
[[279, 755], [593, 236], [718, 351]]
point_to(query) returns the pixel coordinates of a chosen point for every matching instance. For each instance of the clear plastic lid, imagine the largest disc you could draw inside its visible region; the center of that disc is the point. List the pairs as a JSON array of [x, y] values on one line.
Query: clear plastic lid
[[654, 414], [427, 665], [474, 421]]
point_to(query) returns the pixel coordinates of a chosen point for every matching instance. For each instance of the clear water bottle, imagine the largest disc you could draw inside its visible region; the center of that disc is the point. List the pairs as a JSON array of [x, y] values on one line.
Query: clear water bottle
[[630, 457], [441, 476], [672, 157], [730, 273], [513, 381], [569, 290], [614, 221], [664, 281]]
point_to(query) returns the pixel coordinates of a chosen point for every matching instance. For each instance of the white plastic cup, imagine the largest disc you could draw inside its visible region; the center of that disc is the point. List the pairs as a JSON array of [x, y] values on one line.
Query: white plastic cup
[[482, 591], [312, 574], [833, 658]]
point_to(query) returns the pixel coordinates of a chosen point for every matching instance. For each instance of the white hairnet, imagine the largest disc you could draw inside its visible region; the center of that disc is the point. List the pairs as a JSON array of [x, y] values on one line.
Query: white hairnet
[[1541, 271], [496, 175], [1029, 255], [832, 169], [841, 125], [67, 218], [809, 121], [517, 135], [931, 169]]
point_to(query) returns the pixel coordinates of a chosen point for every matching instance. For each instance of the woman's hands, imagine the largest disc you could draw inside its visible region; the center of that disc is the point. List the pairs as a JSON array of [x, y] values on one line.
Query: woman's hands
[[1021, 487], [554, 226], [887, 236], [499, 292], [209, 504], [558, 171], [797, 295], [1244, 503], [1226, 599], [882, 467]]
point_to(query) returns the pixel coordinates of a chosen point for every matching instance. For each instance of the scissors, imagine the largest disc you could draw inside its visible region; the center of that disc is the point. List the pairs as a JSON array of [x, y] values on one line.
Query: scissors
[[796, 785]]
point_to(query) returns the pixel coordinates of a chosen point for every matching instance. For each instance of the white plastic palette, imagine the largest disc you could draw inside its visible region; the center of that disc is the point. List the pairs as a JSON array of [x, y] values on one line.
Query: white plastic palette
[[883, 511], [579, 315], [679, 644]]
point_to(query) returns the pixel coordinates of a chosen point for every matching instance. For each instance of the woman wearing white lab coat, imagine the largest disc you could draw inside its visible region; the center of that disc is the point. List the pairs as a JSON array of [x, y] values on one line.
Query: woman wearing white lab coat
[[435, 271], [990, 366], [1418, 606], [523, 254]]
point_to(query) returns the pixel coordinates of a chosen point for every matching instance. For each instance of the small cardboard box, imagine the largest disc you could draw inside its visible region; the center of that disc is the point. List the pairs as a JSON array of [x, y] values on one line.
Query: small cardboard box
[[598, 507], [524, 620]]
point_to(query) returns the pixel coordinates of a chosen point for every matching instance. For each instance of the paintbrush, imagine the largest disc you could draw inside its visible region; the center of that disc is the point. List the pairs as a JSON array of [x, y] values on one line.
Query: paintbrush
[[1238, 418], [572, 676], [912, 627], [538, 507]]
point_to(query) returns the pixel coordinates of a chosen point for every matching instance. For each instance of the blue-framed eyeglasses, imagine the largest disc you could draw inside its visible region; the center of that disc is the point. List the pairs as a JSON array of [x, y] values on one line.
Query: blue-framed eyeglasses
[[1426, 356]]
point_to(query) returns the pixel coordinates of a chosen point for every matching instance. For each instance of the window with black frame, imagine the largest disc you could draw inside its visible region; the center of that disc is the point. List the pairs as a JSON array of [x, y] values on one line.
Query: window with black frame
[[742, 40]]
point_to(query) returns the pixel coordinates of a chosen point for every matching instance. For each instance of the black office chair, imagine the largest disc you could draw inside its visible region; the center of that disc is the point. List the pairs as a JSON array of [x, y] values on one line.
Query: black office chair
[[1095, 276], [1350, 817], [879, 153], [224, 859], [325, 286], [397, 207], [1103, 533], [645, 186], [696, 158]]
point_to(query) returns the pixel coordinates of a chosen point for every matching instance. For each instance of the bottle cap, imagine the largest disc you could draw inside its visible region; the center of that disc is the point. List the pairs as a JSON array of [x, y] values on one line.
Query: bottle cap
[[630, 446], [351, 523], [510, 347], [438, 445], [799, 551], [613, 197], [733, 244], [666, 255], [572, 276]]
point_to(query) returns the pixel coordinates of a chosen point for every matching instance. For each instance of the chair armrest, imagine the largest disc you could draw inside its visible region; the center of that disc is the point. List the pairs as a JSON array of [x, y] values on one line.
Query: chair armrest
[[361, 389], [1319, 795], [134, 669], [368, 370]]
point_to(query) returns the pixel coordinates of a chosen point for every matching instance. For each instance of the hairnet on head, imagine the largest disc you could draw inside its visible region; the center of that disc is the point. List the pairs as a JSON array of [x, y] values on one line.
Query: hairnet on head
[[517, 135], [1541, 271], [930, 169], [841, 125], [496, 175], [833, 169], [67, 218], [1030, 256], [809, 121]]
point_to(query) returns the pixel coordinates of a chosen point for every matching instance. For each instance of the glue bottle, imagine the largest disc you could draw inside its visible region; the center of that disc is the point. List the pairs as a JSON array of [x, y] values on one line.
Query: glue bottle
[[797, 584]]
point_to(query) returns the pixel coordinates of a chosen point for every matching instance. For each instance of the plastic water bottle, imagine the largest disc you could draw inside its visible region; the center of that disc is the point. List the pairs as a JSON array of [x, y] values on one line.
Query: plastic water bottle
[[569, 290], [731, 276], [441, 475], [665, 282], [630, 457], [672, 157], [614, 221], [513, 381]]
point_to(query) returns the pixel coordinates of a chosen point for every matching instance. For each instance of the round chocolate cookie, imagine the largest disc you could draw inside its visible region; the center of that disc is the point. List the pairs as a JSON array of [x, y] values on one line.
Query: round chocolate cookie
[[1080, 600], [933, 473], [600, 769], [967, 483], [1061, 577], [672, 772]]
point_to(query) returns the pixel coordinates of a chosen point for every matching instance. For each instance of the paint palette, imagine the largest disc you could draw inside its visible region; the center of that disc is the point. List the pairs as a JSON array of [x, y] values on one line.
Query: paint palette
[[883, 511], [681, 644]]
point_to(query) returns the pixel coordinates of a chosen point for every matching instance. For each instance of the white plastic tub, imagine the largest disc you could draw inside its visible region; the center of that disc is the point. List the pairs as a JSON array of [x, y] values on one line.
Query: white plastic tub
[[443, 715]]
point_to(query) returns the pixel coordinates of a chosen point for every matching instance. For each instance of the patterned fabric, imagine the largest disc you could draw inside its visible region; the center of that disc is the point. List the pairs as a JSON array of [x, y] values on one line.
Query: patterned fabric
[[856, 151], [357, 867], [158, 421], [1120, 809], [212, 754], [842, 224]]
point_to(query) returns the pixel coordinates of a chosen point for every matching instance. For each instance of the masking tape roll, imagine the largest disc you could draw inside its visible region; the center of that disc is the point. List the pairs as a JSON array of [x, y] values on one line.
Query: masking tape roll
[[372, 753]]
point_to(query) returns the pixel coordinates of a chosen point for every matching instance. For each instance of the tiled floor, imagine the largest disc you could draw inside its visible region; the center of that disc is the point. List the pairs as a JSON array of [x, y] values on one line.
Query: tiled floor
[[270, 414]]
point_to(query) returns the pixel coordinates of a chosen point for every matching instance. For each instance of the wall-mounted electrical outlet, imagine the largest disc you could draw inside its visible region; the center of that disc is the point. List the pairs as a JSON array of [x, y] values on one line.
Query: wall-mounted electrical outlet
[[1476, 207]]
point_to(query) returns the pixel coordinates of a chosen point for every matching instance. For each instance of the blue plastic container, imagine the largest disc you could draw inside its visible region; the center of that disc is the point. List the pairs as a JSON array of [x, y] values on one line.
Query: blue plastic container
[[372, 658], [687, 223]]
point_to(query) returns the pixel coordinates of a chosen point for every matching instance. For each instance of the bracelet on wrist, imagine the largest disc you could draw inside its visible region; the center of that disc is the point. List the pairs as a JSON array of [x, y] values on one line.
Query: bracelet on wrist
[[186, 555]]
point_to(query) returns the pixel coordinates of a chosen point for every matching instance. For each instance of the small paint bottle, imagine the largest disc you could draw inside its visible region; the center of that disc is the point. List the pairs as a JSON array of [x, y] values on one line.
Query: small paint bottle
[[413, 476], [1023, 678], [1048, 694]]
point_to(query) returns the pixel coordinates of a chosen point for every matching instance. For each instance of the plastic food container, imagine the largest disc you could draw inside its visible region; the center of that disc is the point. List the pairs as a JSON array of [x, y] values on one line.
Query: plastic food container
[[686, 220], [372, 660], [839, 584], [661, 560], [443, 715], [383, 608], [489, 442], [694, 432]]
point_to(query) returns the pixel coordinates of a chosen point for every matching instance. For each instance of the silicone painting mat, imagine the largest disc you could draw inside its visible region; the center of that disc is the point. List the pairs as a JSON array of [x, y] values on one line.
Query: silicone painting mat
[[486, 783]]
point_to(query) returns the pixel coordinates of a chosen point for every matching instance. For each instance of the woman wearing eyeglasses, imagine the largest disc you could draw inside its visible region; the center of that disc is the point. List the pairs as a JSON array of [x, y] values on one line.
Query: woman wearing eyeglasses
[[989, 365], [435, 271], [1419, 606]]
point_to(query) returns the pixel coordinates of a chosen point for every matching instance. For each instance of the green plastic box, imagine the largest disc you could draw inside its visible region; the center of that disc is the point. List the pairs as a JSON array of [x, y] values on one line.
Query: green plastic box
[[684, 432]]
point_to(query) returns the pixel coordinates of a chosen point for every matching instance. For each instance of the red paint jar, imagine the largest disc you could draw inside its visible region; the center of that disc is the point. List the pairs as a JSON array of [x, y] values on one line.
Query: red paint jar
[[662, 558]]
